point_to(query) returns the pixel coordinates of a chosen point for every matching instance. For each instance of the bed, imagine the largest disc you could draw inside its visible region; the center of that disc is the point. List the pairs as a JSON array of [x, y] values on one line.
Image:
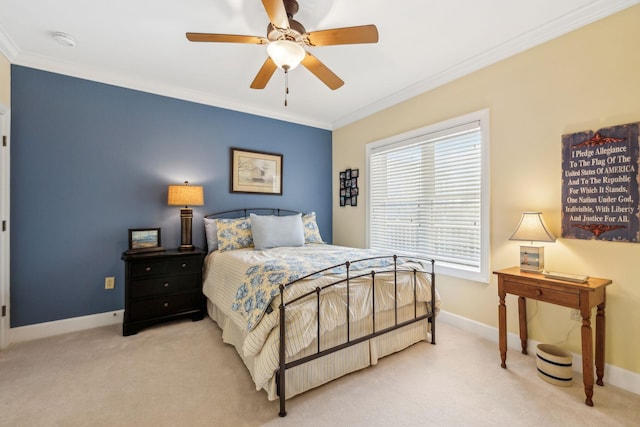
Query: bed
[[268, 275]]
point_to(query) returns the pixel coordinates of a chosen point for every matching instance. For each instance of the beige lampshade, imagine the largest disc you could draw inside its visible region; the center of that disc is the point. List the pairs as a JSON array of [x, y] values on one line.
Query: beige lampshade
[[185, 195], [532, 228]]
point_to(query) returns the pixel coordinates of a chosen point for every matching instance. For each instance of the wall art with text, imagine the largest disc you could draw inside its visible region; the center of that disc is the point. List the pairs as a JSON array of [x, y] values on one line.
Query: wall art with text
[[600, 184]]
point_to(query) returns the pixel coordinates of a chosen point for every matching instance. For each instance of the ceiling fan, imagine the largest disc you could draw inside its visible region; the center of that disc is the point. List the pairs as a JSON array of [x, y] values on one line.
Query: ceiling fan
[[286, 39]]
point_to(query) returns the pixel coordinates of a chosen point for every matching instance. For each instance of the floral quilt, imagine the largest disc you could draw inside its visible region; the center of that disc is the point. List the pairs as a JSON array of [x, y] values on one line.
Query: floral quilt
[[262, 280]]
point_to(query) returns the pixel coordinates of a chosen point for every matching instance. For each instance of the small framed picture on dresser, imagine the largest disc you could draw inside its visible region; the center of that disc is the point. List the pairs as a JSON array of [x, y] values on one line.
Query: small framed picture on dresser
[[144, 240]]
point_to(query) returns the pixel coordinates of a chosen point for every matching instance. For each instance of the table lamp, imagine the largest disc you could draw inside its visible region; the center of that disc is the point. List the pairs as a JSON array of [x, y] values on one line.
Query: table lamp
[[533, 229], [185, 195]]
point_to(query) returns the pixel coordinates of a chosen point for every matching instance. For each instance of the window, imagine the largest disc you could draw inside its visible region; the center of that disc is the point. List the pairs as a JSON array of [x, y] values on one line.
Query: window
[[428, 195]]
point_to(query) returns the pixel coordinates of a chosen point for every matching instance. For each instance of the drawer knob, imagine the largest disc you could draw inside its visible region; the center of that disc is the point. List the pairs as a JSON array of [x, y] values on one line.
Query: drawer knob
[[166, 284], [184, 265], [148, 269], [166, 304], [538, 292]]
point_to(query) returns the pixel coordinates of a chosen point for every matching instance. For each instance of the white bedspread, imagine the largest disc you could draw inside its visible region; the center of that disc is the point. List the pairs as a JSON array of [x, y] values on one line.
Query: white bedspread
[[225, 273]]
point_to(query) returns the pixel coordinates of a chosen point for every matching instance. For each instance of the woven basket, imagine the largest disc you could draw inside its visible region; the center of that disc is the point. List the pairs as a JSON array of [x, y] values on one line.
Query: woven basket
[[554, 365]]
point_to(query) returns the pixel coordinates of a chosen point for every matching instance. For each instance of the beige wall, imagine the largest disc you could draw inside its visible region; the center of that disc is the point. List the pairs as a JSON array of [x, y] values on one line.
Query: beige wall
[[5, 81], [584, 80]]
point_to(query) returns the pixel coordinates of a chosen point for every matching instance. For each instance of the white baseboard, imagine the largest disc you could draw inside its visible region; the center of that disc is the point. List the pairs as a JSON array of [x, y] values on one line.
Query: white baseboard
[[64, 326], [614, 375]]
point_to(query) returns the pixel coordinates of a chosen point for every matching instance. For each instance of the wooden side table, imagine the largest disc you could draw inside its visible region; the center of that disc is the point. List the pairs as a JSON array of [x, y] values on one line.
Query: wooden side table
[[580, 296]]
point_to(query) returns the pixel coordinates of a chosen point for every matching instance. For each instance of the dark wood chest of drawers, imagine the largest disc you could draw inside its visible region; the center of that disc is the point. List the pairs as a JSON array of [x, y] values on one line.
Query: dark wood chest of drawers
[[162, 286]]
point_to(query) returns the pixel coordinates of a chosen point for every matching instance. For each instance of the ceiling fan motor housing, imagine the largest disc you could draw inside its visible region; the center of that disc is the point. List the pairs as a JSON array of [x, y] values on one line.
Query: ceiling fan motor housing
[[293, 33]]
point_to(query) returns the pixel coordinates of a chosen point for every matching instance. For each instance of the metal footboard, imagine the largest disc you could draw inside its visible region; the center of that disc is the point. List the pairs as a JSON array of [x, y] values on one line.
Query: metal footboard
[[430, 314]]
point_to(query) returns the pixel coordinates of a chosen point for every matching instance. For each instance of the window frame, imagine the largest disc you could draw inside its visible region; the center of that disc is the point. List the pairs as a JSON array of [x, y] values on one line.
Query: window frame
[[482, 274]]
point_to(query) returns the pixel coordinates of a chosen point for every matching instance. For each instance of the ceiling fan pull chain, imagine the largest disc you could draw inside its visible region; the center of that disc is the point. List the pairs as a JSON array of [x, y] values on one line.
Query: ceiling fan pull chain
[[286, 84]]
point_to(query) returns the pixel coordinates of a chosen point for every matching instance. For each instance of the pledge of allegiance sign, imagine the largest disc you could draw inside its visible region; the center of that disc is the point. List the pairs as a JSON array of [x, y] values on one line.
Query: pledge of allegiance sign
[[600, 184]]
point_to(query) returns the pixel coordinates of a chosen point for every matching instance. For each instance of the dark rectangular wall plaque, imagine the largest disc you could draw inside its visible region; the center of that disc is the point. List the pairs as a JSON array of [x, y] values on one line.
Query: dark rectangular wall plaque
[[600, 184]]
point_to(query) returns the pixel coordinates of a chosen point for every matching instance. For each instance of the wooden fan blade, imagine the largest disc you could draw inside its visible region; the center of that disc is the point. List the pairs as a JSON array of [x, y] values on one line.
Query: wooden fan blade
[[225, 38], [277, 13], [347, 35], [264, 75], [321, 71]]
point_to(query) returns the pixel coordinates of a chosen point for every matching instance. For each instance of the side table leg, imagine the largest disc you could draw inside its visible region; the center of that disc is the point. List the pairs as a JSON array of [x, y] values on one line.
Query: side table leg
[[522, 314], [600, 337], [587, 356], [502, 331]]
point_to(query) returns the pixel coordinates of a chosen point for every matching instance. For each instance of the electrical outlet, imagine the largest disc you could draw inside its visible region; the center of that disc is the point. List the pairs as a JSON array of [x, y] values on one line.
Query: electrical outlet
[[109, 282], [575, 315]]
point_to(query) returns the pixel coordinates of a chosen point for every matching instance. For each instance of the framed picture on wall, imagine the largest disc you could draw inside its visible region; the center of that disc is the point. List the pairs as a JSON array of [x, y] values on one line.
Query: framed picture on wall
[[256, 172], [144, 240]]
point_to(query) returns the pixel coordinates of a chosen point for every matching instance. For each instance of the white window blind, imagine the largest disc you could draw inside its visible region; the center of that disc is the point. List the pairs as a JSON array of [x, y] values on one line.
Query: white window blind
[[425, 196]]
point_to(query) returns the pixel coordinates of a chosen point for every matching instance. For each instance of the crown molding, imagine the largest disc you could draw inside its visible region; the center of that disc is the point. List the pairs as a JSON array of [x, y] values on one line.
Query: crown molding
[[595, 11], [7, 46]]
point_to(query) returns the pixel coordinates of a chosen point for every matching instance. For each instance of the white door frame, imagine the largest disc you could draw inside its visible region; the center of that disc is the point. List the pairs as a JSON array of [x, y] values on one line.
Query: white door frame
[[5, 322]]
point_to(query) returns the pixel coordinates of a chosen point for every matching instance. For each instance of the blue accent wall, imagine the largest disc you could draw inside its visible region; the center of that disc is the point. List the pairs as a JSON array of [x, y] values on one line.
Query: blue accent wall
[[90, 160]]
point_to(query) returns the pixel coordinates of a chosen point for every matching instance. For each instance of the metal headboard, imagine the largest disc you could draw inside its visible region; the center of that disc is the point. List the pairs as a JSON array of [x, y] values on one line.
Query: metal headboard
[[239, 213]]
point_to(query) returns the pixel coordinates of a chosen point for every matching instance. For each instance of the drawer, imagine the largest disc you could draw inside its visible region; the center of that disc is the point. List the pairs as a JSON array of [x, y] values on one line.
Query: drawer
[[568, 299], [174, 265], [184, 265], [148, 268], [164, 306], [164, 285]]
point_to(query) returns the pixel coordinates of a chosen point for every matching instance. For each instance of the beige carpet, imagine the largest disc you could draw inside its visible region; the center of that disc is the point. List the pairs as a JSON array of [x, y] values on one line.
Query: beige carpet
[[181, 374]]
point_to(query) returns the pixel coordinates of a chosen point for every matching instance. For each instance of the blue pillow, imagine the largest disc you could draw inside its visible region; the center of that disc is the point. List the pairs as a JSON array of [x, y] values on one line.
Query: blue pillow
[[271, 231]]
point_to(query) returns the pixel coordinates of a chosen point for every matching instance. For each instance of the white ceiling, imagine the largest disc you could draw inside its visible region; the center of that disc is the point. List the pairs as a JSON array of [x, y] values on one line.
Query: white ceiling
[[141, 44]]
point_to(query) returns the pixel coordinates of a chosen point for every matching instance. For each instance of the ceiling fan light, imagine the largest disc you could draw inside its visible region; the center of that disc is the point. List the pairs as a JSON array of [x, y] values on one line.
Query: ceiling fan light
[[286, 54]]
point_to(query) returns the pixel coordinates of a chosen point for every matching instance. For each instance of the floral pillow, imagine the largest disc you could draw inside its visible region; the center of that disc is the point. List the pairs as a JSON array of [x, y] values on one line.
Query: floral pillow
[[234, 233], [311, 230]]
